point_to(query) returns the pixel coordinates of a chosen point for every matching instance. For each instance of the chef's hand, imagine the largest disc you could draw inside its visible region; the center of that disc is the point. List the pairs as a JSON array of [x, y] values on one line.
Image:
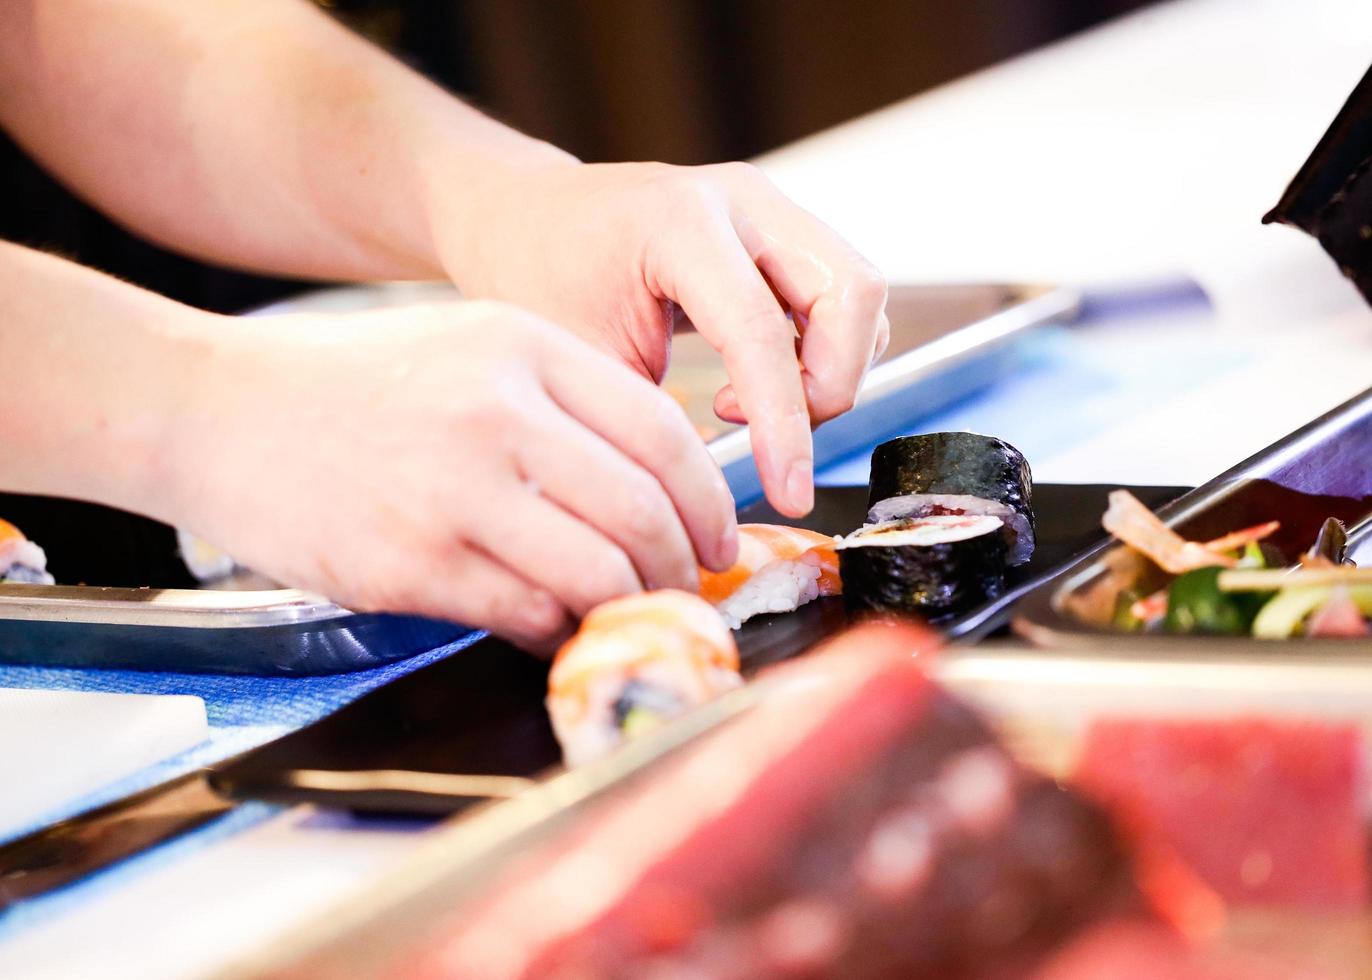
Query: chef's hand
[[466, 460], [613, 252]]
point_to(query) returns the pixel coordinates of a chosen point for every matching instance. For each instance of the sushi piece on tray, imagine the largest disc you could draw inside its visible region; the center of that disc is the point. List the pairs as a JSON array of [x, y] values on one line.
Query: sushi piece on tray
[[635, 663], [778, 569], [20, 559], [949, 513], [955, 473], [932, 566], [857, 821]]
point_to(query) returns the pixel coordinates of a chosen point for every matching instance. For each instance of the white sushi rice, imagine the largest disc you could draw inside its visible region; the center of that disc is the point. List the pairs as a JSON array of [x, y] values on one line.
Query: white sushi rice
[[779, 586], [922, 531], [24, 561], [918, 505], [206, 562]]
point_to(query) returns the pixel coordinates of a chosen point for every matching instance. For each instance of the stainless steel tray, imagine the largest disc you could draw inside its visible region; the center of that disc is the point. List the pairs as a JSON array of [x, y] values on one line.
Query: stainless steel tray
[[280, 631]]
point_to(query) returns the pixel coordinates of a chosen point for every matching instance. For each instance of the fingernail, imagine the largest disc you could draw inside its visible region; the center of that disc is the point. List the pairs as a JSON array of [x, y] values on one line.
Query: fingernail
[[727, 552], [800, 485]]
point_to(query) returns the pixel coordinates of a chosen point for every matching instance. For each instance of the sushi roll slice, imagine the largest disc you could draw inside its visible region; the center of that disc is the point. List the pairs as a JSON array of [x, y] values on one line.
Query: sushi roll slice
[[635, 664], [778, 569], [20, 559], [930, 566], [953, 473]]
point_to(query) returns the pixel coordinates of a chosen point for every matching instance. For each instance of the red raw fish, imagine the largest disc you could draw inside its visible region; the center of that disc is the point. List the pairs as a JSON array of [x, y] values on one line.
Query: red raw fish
[[1265, 812], [1134, 950], [858, 822]]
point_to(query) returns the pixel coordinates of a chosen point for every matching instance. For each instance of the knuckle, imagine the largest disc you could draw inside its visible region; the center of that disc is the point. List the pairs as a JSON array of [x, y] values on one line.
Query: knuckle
[[763, 322], [867, 285], [534, 615], [833, 392], [484, 413], [667, 431], [836, 403], [689, 193], [520, 330], [396, 593], [645, 510], [740, 171], [606, 575], [493, 309], [497, 406]]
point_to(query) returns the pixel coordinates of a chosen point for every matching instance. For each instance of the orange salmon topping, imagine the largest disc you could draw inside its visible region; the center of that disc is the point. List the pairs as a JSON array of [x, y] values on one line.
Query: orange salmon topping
[[760, 545]]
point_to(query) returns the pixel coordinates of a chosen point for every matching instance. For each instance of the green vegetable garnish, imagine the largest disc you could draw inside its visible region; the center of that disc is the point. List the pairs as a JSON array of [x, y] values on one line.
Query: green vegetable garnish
[[638, 721], [1253, 556], [1124, 618], [1282, 616], [1196, 604]]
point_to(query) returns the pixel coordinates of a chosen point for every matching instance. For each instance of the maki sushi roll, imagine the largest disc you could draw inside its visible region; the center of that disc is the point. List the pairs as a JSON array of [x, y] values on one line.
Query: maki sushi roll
[[955, 474], [932, 566], [635, 664], [20, 559]]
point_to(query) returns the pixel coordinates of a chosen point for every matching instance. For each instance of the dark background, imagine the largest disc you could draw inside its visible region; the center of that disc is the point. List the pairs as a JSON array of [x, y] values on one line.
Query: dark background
[[686, 81]]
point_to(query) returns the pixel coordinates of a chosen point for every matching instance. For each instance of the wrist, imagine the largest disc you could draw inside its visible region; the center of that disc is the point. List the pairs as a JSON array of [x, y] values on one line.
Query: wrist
[[154, 421], [469, 191]]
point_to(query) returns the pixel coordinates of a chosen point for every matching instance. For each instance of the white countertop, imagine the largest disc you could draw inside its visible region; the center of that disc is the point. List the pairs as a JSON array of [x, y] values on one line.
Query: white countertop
[[1142, 150]]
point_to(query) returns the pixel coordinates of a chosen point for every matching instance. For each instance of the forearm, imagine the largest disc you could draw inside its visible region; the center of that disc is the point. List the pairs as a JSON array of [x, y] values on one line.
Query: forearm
[[257, 133], [96, 373]]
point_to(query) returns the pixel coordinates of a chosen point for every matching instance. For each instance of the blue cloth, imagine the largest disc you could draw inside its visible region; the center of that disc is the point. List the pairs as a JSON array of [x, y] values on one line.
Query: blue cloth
[[243, 712], [1061, 395]]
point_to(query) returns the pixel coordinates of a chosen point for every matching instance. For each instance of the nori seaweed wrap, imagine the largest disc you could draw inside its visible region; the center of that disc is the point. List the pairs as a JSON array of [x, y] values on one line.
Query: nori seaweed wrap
[[932, 567], [955, 473]]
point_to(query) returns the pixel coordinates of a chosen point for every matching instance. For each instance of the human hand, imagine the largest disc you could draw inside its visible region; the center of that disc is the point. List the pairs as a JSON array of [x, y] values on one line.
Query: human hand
[[467, 461], [614, 252]]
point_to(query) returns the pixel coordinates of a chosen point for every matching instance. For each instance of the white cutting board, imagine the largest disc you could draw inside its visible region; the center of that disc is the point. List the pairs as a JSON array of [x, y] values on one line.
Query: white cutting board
[[58, 746]]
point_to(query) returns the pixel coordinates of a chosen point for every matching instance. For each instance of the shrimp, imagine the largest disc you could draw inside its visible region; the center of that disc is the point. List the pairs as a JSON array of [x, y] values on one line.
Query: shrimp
[[1138, 527]]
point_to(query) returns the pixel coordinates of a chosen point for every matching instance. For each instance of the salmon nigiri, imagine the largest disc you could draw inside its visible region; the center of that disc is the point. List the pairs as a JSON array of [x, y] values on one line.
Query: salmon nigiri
[[778, 569], [20, 559], [636, 663]]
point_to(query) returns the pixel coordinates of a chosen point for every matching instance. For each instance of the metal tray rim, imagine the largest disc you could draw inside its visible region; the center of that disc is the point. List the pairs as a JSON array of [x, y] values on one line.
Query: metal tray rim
[[181, 608], [1042, 304]]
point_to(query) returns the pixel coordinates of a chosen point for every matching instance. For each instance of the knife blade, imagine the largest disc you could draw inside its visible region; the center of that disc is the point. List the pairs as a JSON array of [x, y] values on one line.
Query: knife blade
[[72, 849]]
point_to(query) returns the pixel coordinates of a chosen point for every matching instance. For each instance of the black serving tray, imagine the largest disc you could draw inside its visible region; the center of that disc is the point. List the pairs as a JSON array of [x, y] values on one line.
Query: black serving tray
[[480, 712], [1322, 470]]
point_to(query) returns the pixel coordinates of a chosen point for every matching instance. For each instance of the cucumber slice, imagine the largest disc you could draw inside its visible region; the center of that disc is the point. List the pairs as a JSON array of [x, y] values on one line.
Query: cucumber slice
[[1283, 614], [1197, 604]]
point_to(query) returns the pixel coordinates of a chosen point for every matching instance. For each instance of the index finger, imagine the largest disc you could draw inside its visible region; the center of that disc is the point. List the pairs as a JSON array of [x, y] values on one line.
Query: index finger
[[712, 277], [840, 296]]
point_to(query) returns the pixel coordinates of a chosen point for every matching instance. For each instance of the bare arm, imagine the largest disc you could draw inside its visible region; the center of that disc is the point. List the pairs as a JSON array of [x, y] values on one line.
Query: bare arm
[[96, 373], [261, 134], [264, 436], [257, 133]]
